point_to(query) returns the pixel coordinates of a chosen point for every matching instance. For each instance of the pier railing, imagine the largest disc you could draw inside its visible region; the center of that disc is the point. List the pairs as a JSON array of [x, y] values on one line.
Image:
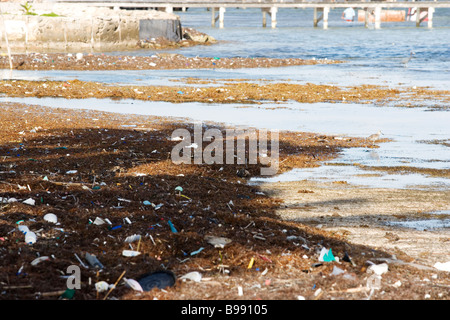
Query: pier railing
[[372, 9]]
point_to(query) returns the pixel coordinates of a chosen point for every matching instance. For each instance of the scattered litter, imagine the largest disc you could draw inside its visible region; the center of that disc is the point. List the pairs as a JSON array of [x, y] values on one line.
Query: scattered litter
[[240, 291], [6, 200], [193, 253], [71, 171], [326, 255], [442, 266], [378, 269], [39, 260], [250, 264], [336, 271], [99, 221], [30, 237], [24, 229], [29, 201], [193, 276], [130, 253], [318, 293], [159, 279], [101, 286], [146, 203], [217, 242], [172, 228], [51, 217], [81, 262], [133, 284], [68, 294], [93, 261], [133, 238]]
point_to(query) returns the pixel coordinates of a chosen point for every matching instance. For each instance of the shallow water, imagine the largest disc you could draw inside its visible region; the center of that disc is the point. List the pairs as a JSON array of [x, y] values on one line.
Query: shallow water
[[407, 149], [372, 57], [422, 225]]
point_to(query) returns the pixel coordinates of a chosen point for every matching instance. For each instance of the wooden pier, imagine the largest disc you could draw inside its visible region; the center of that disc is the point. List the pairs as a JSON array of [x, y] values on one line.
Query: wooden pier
[[321, 9]]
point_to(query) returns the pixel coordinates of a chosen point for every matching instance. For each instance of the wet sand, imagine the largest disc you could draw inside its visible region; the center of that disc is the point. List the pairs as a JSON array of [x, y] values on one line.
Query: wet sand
[[275, 232], [371, 215]]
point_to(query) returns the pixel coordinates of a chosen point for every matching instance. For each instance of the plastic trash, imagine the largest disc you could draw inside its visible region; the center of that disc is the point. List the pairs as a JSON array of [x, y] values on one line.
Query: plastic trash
[[193, 253], [326, 255], [68, 294], [159, 279], [133, 284], [337, 271], [193, 276], [217, 242], [99, 221], [93, 261], [30, 237], [71, 171], [443, 266], [379, 269], [130, 253], [172, 228], [30, 202], [23, 229], [51, 217], [101, 286], [133, 238], [147, 203], [39, 260]]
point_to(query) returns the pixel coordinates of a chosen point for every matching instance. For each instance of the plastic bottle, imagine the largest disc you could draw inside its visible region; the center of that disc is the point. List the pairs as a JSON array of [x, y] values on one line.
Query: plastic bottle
[[23, 229]]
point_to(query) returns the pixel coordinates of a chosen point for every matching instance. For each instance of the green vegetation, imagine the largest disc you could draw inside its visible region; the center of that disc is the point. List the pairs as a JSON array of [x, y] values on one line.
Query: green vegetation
[[28, 11], [51, 14], [27, 8]]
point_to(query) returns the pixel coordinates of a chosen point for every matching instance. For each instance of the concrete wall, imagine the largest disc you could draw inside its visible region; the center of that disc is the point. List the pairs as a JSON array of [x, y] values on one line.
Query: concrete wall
[[76, 29]]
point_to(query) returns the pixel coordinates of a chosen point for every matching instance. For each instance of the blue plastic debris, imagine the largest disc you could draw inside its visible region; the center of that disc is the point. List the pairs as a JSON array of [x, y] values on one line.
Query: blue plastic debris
[[172, 228]]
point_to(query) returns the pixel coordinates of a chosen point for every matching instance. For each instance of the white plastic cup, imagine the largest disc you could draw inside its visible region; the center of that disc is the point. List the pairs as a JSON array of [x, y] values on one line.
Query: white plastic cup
[[30, 237]]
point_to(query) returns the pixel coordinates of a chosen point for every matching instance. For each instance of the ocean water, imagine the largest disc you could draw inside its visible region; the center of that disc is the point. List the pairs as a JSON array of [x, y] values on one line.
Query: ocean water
[[372, 56]]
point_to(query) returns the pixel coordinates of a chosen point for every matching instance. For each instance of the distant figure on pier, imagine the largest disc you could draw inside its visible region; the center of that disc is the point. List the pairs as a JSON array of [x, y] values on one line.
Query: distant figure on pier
[[348, 14]]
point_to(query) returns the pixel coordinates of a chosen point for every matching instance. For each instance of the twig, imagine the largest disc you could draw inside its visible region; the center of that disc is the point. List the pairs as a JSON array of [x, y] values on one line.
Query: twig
[[115, 284]]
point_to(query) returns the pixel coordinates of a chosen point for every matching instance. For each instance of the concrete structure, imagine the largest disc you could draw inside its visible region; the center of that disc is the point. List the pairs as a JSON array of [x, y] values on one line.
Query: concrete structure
[[321, 8], [78, 28]]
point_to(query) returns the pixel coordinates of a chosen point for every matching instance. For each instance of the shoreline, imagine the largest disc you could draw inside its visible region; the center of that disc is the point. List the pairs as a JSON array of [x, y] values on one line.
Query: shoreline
[[115, 161], [276, 232], [157, 61], [231, 91]]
